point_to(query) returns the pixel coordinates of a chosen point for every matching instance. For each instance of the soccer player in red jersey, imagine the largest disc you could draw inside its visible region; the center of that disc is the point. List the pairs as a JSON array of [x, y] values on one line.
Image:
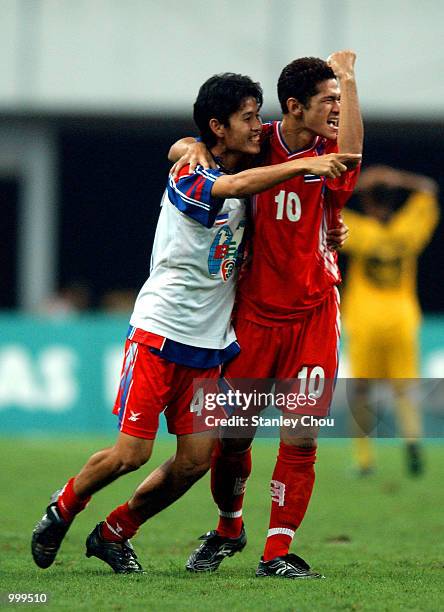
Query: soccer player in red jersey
[[180, 328], [287, 319]]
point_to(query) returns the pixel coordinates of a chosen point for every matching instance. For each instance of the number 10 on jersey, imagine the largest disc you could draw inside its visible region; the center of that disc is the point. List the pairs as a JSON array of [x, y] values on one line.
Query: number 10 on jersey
[[288, 204]]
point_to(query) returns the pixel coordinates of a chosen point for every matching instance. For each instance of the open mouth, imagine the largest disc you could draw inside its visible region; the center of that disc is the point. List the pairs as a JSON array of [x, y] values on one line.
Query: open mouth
[[333, 122]]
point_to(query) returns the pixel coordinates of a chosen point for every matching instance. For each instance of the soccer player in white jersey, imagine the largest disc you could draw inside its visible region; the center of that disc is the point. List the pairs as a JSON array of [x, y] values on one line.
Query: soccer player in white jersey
[[180, 329]]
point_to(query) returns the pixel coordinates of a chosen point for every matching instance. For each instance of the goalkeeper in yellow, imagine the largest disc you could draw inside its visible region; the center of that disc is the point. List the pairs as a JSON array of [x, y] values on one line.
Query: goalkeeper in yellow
[[381, 308]]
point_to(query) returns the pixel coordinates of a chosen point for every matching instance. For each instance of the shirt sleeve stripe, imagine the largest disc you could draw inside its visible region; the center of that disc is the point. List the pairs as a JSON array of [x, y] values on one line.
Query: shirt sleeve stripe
[[185, 198]]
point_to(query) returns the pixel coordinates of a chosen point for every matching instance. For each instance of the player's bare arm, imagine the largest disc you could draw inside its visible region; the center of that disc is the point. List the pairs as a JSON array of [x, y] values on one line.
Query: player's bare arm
[[189, 151], [259, 179], [351, 131]]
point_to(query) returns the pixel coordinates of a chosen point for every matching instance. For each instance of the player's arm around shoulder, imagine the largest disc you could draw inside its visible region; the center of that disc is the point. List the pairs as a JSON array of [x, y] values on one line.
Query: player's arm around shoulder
[[255, 180], [189, 152], [193, 152]]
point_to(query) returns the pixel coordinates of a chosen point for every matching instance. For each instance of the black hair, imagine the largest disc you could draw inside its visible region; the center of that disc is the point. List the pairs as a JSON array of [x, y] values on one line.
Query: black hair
[[219, 97], [300, 80], [389, 197]]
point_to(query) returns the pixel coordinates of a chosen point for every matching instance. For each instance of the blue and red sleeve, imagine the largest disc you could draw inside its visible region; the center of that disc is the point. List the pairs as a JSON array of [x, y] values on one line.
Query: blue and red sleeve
[[191, 194]]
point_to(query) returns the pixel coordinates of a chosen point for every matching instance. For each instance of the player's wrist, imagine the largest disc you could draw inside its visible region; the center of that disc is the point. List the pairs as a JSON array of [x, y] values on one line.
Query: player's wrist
[[346, 78], [302, 165]]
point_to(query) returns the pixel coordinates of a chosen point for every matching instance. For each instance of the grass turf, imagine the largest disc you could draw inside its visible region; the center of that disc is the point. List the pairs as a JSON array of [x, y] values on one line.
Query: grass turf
[[378, 540]]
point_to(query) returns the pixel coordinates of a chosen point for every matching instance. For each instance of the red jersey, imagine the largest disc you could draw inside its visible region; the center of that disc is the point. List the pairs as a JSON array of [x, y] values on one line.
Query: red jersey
[[291, 269]]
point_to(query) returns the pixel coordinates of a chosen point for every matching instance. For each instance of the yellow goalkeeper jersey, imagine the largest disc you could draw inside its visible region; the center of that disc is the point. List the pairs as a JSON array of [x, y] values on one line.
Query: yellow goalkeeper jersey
[[381, 276]]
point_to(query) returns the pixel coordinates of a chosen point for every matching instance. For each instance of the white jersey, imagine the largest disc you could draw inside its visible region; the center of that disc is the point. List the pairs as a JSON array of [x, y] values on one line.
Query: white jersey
[[189, 295]]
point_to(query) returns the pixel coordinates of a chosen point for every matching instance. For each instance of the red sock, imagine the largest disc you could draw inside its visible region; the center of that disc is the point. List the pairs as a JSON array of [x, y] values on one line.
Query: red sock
[[69, 503], [121, 524], [229, 474], [291, 488]]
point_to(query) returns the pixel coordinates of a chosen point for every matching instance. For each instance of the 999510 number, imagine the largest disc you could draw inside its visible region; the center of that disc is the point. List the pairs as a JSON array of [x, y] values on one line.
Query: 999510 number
[[27, 598]]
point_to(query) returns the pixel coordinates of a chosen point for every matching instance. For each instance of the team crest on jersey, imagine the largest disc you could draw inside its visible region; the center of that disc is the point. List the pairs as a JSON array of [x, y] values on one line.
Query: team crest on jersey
[[224, 251], [227, 268]]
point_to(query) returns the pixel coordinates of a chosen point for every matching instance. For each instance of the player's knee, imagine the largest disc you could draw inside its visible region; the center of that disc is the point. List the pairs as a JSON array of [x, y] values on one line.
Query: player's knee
[[200, 469], [131, 461], [193, 468], [130, 464]]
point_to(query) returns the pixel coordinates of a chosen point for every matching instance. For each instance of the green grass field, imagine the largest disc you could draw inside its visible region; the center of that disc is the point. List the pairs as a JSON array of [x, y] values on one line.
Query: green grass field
[[379, 541]]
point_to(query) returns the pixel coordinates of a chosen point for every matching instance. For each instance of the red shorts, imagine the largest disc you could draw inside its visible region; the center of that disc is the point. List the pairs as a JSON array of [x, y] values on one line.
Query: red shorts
[[150, 385], [305, 350]]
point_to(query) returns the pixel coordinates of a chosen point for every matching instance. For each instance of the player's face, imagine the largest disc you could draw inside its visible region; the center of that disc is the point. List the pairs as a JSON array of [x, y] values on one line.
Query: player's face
[[244, 130], [321, 115]]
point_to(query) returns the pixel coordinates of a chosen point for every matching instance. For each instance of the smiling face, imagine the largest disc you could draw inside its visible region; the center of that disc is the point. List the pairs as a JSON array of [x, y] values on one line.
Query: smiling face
[[321, 113], [243, 132]]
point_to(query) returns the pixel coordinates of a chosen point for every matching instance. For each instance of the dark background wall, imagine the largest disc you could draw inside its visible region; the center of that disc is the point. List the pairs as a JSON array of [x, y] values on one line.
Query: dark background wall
[[417, 147], [9, 191], [113, 179], [112, 174]]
